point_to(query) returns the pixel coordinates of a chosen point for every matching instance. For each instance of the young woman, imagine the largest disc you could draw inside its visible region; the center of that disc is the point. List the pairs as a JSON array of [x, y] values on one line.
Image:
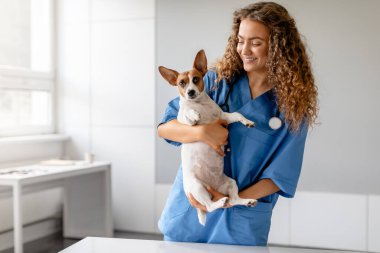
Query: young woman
[[265, 75]]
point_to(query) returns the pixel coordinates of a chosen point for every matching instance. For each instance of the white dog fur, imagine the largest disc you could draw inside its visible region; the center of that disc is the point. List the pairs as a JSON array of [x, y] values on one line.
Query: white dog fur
[[202, 166]]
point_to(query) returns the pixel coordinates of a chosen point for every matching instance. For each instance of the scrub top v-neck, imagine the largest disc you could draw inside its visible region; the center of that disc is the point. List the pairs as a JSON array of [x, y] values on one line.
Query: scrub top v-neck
[[253, 154]]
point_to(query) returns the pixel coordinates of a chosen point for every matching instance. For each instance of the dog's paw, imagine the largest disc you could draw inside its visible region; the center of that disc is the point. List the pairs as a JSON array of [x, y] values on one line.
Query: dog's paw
[[249, 123], [221, 202], [251, 202], [193, 117], [218, 204], [224, 201]]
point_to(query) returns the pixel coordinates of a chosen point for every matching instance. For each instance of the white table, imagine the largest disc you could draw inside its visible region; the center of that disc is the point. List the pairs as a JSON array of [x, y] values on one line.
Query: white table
[[113, 245], [86, 196]]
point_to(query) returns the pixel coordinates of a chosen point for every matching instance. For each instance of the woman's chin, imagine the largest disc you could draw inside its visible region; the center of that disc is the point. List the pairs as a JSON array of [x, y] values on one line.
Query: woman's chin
[[249, 67], [252, 68]]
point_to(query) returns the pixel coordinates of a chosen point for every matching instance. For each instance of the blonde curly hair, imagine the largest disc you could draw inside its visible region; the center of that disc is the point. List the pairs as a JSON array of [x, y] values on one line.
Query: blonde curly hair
[[288, 64]]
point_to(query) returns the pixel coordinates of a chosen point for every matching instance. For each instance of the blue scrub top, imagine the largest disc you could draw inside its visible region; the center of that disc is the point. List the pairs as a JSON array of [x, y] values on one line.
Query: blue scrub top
[[255, 153]]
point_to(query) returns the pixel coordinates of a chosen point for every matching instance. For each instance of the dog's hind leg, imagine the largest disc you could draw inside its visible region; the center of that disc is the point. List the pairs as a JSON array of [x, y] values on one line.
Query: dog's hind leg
[[233, 193], [200, 193]]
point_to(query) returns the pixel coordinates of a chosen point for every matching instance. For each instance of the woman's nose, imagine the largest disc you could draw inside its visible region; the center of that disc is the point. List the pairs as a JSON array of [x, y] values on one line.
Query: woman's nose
[[245, 49]]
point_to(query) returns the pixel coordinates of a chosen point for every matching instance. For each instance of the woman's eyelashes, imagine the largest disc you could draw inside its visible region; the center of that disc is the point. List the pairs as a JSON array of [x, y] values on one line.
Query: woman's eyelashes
[[252, 42]]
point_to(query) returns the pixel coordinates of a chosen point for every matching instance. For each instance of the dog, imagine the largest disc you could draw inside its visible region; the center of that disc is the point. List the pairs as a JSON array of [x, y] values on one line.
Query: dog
[[202, 166]]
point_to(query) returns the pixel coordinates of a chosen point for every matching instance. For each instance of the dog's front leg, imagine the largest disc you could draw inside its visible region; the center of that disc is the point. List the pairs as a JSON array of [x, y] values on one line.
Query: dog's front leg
[[192, 117], [235, 117]]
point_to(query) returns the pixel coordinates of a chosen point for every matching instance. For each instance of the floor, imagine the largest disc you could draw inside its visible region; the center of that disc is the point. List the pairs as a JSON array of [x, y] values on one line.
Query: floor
[[55, 243]]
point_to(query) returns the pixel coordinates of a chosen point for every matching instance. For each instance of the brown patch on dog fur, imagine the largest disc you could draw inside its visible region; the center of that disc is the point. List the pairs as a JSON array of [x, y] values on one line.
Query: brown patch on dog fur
[[185, 77], [195, 73]]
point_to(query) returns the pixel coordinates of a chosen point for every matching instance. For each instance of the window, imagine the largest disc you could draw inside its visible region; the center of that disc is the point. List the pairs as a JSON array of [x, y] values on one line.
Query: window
[[26, 67]]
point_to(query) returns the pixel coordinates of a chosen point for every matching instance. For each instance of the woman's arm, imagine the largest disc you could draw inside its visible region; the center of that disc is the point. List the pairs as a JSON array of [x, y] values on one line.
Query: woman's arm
[[259, 190], [215, 134], [175, 131]]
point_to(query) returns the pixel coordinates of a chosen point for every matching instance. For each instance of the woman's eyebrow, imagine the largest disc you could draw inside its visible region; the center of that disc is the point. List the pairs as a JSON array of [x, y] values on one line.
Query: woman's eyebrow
[[251, 38]]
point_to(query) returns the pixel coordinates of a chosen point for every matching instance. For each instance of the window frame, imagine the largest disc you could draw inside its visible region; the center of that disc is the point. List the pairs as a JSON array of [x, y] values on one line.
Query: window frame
[[14, 77]]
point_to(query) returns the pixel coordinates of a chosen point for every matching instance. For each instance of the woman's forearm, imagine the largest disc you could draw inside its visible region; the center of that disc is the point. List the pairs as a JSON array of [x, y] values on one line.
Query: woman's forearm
[[214, 134], [261, 189], [175, 131]]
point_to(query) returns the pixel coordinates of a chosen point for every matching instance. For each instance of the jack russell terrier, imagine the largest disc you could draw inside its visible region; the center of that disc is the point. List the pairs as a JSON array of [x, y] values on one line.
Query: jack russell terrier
[[202, 166]]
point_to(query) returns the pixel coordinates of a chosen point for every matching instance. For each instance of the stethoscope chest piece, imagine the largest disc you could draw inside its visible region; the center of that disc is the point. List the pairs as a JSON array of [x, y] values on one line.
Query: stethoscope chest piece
[[275, 123]]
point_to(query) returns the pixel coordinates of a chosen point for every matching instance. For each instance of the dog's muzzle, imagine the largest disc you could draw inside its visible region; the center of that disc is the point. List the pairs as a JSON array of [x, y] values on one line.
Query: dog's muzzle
[[191, 94]]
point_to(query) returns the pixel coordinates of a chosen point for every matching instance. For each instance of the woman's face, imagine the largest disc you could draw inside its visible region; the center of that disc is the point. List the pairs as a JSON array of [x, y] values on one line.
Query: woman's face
[[252, 45]]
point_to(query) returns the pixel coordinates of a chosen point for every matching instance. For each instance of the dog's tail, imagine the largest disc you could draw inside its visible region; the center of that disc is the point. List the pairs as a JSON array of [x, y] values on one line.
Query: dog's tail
[[201, 216]]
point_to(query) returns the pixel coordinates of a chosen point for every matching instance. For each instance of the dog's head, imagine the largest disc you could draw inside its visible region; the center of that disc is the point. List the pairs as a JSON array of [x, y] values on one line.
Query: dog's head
[[190, 83]]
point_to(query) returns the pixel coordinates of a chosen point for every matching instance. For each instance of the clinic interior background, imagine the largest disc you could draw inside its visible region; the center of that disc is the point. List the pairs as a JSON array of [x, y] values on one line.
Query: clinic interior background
[[110, 97]]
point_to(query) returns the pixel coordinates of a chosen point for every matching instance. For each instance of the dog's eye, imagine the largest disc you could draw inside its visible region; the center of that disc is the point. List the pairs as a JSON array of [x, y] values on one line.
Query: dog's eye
[[182, 83], [195, 80]]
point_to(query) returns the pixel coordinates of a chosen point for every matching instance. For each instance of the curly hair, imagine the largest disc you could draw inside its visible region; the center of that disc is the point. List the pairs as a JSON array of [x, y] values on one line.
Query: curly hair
[[288, 64]]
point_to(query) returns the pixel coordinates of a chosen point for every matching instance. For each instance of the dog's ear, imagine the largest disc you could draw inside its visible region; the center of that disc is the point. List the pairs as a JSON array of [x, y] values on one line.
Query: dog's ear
[[200, 62], [169, 75]]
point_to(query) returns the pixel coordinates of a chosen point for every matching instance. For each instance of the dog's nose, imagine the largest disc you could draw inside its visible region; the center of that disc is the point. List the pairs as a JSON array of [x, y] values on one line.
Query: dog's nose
[[191, 93]]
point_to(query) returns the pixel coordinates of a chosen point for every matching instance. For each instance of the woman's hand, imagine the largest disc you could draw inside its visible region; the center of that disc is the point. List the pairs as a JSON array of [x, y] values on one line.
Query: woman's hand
[[215, 135], [215, 196]]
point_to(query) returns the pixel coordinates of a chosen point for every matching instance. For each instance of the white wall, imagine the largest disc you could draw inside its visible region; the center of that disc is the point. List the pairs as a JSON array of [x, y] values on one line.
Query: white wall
[[342, 153], [106, 97]]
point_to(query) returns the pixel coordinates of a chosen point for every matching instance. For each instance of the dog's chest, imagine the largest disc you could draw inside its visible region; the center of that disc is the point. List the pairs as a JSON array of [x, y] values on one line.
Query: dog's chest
[[209, 111]]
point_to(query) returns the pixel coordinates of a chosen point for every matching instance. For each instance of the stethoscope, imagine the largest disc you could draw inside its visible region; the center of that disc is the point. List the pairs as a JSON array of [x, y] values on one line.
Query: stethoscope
[[274, 122]]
